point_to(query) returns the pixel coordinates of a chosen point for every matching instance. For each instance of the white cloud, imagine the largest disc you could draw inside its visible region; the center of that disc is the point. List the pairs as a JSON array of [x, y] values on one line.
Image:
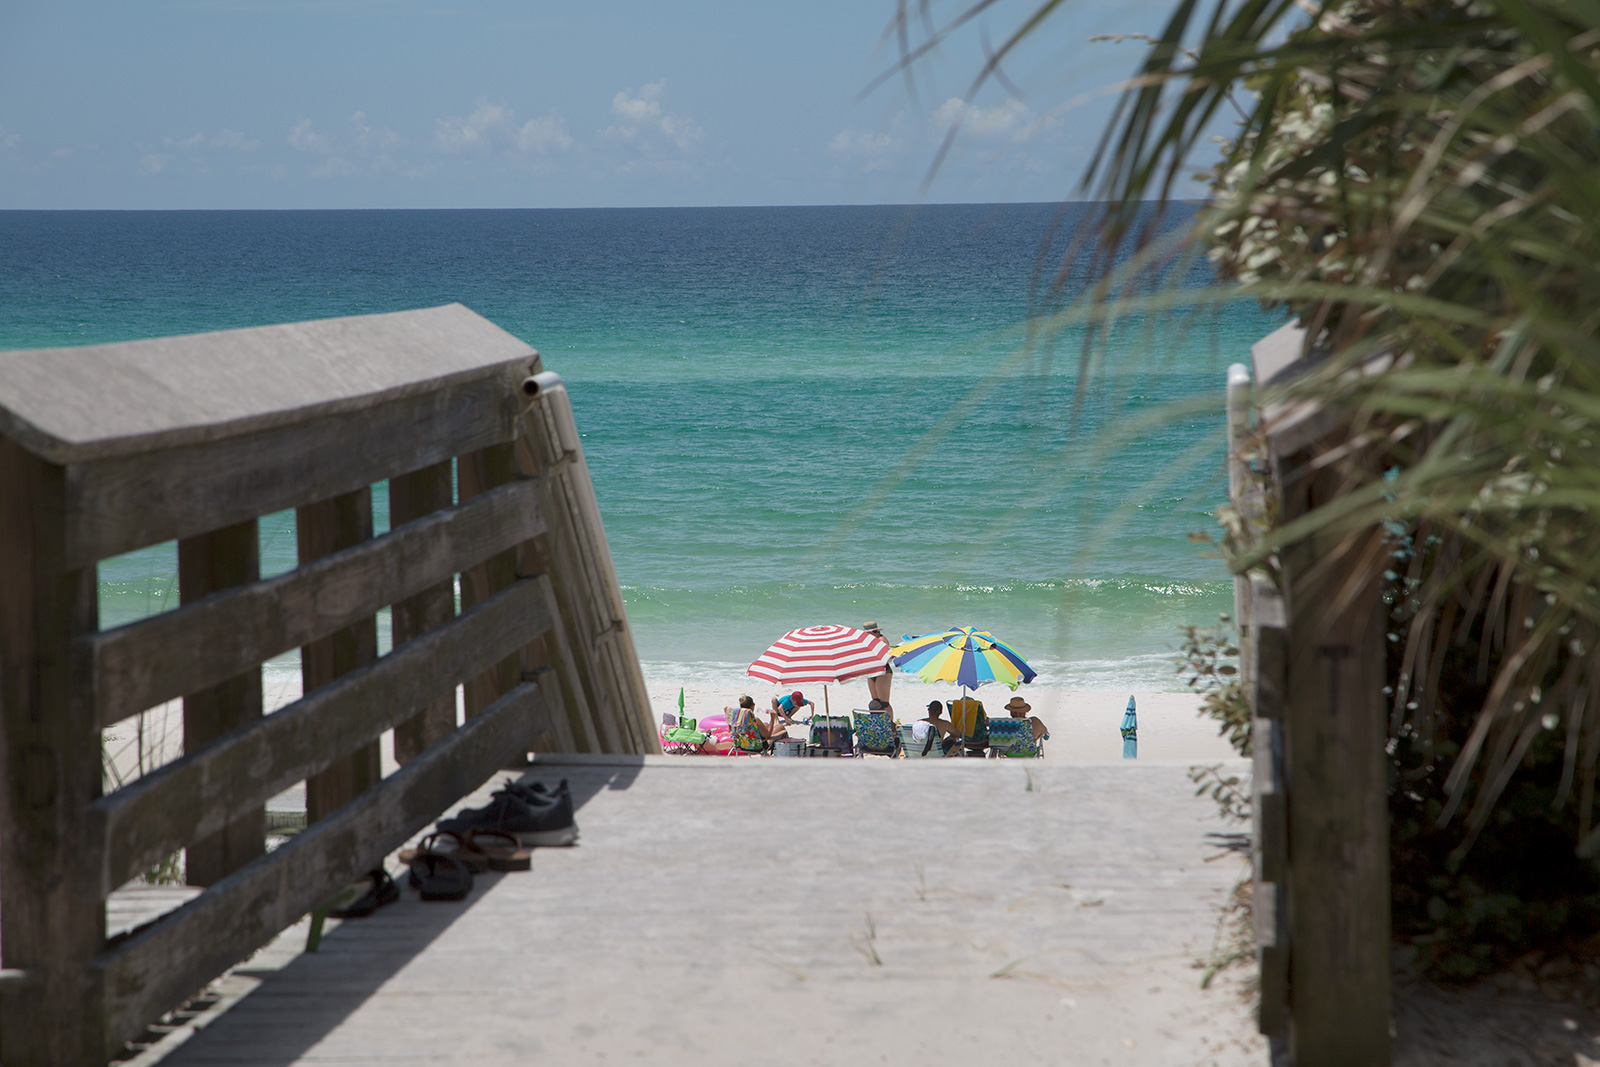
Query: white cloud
[[362, 148], [493, 127], [1009, 121], [642, 118], [303, 138], [370, 140], [871, 150], [9, 140], [238, 142], [540, 135], [854, 141], [153, 163]]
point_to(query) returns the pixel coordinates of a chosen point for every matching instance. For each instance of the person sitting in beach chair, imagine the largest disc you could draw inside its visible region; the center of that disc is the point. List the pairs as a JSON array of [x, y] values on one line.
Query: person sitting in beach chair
[[970, 721], [1016, 733], [875, 732], [748, 732], [935, 730]]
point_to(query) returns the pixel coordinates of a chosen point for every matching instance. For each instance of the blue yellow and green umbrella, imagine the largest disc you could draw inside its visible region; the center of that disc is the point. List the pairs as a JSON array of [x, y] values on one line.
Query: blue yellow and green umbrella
[[962, 656]]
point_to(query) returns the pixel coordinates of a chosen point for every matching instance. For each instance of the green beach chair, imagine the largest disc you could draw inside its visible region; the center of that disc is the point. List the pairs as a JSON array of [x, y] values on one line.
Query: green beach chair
[[680, 736], [1013, 738]]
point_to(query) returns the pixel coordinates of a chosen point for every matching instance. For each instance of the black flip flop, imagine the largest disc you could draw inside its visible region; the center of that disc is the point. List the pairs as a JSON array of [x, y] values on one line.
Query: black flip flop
[[440, 876], [448, 843], [381, 890]]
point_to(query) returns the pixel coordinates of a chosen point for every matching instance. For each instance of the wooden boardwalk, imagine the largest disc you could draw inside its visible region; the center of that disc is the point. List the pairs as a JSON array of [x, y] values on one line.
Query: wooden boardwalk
[[792, 912]]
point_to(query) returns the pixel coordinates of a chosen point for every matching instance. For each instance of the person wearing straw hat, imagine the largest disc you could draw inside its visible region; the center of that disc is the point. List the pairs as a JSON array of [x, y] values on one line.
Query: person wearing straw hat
[[1018, 708], [878, 684]]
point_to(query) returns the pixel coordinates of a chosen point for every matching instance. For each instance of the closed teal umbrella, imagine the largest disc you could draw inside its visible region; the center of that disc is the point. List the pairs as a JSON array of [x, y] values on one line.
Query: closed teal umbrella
[[1130, 732]]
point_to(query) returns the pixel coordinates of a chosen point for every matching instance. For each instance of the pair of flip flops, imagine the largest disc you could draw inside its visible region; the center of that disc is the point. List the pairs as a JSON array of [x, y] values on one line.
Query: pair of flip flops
[[478, 850], [443, 863]]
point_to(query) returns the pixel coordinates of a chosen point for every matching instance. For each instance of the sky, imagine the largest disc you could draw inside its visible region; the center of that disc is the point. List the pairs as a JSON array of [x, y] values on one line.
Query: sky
[[607, 103]]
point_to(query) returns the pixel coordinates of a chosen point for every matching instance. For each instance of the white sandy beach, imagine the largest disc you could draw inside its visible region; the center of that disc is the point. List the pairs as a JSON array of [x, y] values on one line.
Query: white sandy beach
[[1084, 725]]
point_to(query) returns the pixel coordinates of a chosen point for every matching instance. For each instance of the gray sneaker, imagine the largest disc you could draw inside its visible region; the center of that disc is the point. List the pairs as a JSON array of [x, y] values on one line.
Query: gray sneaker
[[545, 825]]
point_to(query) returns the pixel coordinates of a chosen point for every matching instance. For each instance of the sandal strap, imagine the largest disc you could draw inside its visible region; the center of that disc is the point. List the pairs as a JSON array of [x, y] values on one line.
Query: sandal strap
[[496, 838]]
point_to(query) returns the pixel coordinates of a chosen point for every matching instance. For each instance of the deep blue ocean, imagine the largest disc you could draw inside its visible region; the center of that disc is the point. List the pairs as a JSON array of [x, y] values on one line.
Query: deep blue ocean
[[792, 415]]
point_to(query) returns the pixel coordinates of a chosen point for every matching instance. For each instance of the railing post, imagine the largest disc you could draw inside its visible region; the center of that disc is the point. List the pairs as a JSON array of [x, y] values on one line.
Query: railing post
[[206, 564], [1334, 733], [320, 530], [52, 919], [1239, 481], [480, 472], [413, 496]]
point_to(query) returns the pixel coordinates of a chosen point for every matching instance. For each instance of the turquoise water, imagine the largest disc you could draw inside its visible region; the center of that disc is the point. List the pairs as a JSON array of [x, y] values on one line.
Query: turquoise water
[[792, 415]]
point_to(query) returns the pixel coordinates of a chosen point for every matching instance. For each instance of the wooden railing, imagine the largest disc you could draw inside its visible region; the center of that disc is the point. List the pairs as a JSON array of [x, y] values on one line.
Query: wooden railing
[[1312, 658], [108, 449]]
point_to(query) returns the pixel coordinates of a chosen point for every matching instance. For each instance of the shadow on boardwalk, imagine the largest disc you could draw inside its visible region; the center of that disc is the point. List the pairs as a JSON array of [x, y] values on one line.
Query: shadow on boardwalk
[[755, 912]]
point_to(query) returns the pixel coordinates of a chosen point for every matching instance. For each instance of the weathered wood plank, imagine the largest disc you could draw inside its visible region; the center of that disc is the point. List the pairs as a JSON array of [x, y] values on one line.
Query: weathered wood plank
[[1337, 883], [543, 457], [122, 503], [1269, 646], [199, 793], [619, 696], [157, 968], [411, 497], [207, 564], [479, 472], [71, 405], [145, 663], [1269, 801], [1270, 916], [321, 529], [53, 921]]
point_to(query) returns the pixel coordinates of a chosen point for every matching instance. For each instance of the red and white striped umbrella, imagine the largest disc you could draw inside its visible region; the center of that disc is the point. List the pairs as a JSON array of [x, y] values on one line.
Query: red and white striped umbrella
[[821, 654]]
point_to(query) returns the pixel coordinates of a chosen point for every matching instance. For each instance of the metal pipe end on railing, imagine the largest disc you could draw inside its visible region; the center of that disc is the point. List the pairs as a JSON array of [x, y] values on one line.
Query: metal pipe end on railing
[[538, 384]]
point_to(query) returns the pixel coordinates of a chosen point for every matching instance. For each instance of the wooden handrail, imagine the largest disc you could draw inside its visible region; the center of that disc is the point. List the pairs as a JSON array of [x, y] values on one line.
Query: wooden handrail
[[143, 663], [158, 967], [196, 446], [200, 793]]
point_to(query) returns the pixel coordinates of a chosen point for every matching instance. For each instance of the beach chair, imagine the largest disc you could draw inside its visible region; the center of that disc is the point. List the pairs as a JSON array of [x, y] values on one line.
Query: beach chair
[[968, 717], [747, 739], [830, 734], [912, 748], [679, 736], [1013, 738], [876, 734]]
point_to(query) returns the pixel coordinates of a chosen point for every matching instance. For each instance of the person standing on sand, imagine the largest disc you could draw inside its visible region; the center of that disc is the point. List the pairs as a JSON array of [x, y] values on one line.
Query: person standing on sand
[[878, 684]]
